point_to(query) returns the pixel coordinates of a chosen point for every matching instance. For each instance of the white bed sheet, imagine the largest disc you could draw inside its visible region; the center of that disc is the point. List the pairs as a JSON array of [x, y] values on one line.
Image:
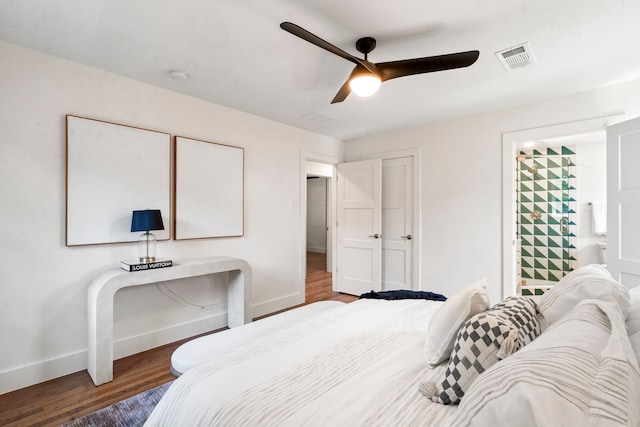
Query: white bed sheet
[[203, 349], [359, 364]]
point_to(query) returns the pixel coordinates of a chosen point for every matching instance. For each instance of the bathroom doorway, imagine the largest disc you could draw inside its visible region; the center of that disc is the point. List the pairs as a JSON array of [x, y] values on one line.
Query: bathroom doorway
[[546, 210], [553, 177]]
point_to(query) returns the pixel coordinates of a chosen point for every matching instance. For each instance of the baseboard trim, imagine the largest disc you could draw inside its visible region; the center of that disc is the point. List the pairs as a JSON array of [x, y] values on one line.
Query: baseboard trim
[[139, 343], [277, 304], [38, 372]]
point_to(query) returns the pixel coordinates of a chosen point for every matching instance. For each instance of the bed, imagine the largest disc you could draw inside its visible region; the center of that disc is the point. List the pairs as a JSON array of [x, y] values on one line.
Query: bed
[[572, 361], [200, 350]]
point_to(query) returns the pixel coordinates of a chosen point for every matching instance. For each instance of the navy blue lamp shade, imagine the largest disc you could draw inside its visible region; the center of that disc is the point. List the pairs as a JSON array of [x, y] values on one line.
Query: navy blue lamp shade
[[146, 220]]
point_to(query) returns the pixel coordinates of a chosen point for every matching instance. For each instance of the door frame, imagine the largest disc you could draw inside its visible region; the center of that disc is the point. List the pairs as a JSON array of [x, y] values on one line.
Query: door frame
[[509, 141], [416, 153], [302, 261]]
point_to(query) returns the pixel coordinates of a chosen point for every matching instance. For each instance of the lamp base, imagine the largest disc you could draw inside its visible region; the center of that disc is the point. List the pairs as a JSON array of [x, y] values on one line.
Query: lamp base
[[147, 247]]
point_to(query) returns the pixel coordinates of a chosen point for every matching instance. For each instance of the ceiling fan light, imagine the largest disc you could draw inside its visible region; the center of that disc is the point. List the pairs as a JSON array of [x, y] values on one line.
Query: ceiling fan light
[[365, 84]]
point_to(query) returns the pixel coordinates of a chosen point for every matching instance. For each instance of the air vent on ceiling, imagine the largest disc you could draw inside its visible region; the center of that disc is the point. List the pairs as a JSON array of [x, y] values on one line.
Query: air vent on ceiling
[[516, 56], [317, 117]]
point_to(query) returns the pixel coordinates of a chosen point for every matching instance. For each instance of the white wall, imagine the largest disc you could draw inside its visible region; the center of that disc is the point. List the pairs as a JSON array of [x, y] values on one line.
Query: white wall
[[591, 173], [43, 284], [462, 180]]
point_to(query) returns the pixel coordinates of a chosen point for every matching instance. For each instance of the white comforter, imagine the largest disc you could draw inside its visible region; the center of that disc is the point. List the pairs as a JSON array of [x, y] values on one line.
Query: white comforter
[[361, 365], [581, 371], [355, 365]]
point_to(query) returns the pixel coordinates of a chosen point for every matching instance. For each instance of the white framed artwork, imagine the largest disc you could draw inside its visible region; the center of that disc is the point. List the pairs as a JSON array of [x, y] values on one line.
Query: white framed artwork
[[112, 170], [209, 189]]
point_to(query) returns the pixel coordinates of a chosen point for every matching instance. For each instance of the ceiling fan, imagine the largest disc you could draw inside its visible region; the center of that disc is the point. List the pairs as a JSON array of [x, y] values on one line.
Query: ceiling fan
[[368, 73]]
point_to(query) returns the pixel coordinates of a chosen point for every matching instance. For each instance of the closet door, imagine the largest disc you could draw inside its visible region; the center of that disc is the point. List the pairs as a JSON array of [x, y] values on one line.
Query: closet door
[[397, 223], [359, 227], [623, 201]]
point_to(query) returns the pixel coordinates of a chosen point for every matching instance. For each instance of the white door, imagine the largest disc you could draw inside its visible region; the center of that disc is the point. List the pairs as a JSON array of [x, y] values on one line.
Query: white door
[[359, 227], [397, 223], [623, 202]]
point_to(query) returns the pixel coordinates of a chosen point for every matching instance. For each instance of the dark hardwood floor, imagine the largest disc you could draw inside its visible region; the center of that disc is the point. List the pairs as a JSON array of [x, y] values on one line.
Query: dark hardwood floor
[[64, 399]]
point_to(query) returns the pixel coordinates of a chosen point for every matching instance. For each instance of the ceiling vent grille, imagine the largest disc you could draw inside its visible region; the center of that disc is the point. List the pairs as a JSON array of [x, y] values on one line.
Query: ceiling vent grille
[[516, 57], [317, 117]]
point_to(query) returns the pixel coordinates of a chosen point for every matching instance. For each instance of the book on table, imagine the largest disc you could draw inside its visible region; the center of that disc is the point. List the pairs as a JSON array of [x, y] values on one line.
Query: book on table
[[140, 266]]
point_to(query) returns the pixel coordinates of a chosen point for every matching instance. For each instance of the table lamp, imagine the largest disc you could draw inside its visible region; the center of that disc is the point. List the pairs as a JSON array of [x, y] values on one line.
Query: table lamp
[[147, 220]]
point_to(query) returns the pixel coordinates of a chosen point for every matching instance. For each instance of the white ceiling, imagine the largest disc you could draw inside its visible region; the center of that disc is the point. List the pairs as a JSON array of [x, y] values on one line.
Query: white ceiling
[[238, 56]]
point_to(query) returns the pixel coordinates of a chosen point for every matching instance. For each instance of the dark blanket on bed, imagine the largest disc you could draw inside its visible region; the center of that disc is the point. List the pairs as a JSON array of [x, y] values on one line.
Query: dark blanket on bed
[[404, 294]]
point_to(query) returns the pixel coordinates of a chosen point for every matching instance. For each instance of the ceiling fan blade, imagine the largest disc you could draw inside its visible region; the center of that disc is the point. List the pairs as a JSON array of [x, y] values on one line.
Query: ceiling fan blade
[[298, 31], [345, 90], [342, 94], [407, 67]]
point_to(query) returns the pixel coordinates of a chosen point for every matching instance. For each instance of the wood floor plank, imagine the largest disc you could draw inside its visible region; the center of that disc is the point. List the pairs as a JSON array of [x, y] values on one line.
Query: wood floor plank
[[64, 399]]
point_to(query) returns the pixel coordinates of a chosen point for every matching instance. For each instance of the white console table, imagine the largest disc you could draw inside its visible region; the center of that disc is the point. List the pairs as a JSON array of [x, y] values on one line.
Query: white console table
[[104, 287]]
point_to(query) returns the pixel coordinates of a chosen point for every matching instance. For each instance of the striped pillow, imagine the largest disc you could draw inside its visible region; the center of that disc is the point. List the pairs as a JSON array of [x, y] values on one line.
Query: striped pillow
[[633, 321], [588, 282], [577, 373], [633, 314]]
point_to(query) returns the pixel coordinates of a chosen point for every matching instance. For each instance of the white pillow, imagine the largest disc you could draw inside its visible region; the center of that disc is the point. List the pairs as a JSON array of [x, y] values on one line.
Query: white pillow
[[455, 311], [589, 282], [633, 320], [635, 344], [633, 314]]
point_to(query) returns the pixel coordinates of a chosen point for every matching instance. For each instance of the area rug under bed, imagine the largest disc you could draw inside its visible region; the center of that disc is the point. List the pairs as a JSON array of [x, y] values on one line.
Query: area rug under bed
[[130, 412]]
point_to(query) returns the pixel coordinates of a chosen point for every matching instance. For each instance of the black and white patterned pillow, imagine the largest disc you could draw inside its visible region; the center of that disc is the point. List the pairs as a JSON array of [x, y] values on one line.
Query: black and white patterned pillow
[[482, 341]]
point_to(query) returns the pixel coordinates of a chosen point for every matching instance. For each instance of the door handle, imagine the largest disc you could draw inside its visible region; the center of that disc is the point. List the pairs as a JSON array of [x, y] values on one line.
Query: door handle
[[408, 237], [564, 225], [375, 236]]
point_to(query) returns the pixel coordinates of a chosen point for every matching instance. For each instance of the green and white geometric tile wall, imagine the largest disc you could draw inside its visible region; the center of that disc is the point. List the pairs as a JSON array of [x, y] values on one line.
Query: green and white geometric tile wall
[[546, 212]]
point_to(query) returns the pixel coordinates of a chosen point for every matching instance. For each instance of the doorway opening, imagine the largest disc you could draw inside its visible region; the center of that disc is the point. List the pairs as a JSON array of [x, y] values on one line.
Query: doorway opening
[[552, 177], [409, 234], [319, 215], [546, 214], [321, 166], [318, 279]]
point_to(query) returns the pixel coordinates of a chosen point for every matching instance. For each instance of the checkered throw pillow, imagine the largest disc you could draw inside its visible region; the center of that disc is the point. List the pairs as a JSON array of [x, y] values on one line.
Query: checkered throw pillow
[[481, 342]]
